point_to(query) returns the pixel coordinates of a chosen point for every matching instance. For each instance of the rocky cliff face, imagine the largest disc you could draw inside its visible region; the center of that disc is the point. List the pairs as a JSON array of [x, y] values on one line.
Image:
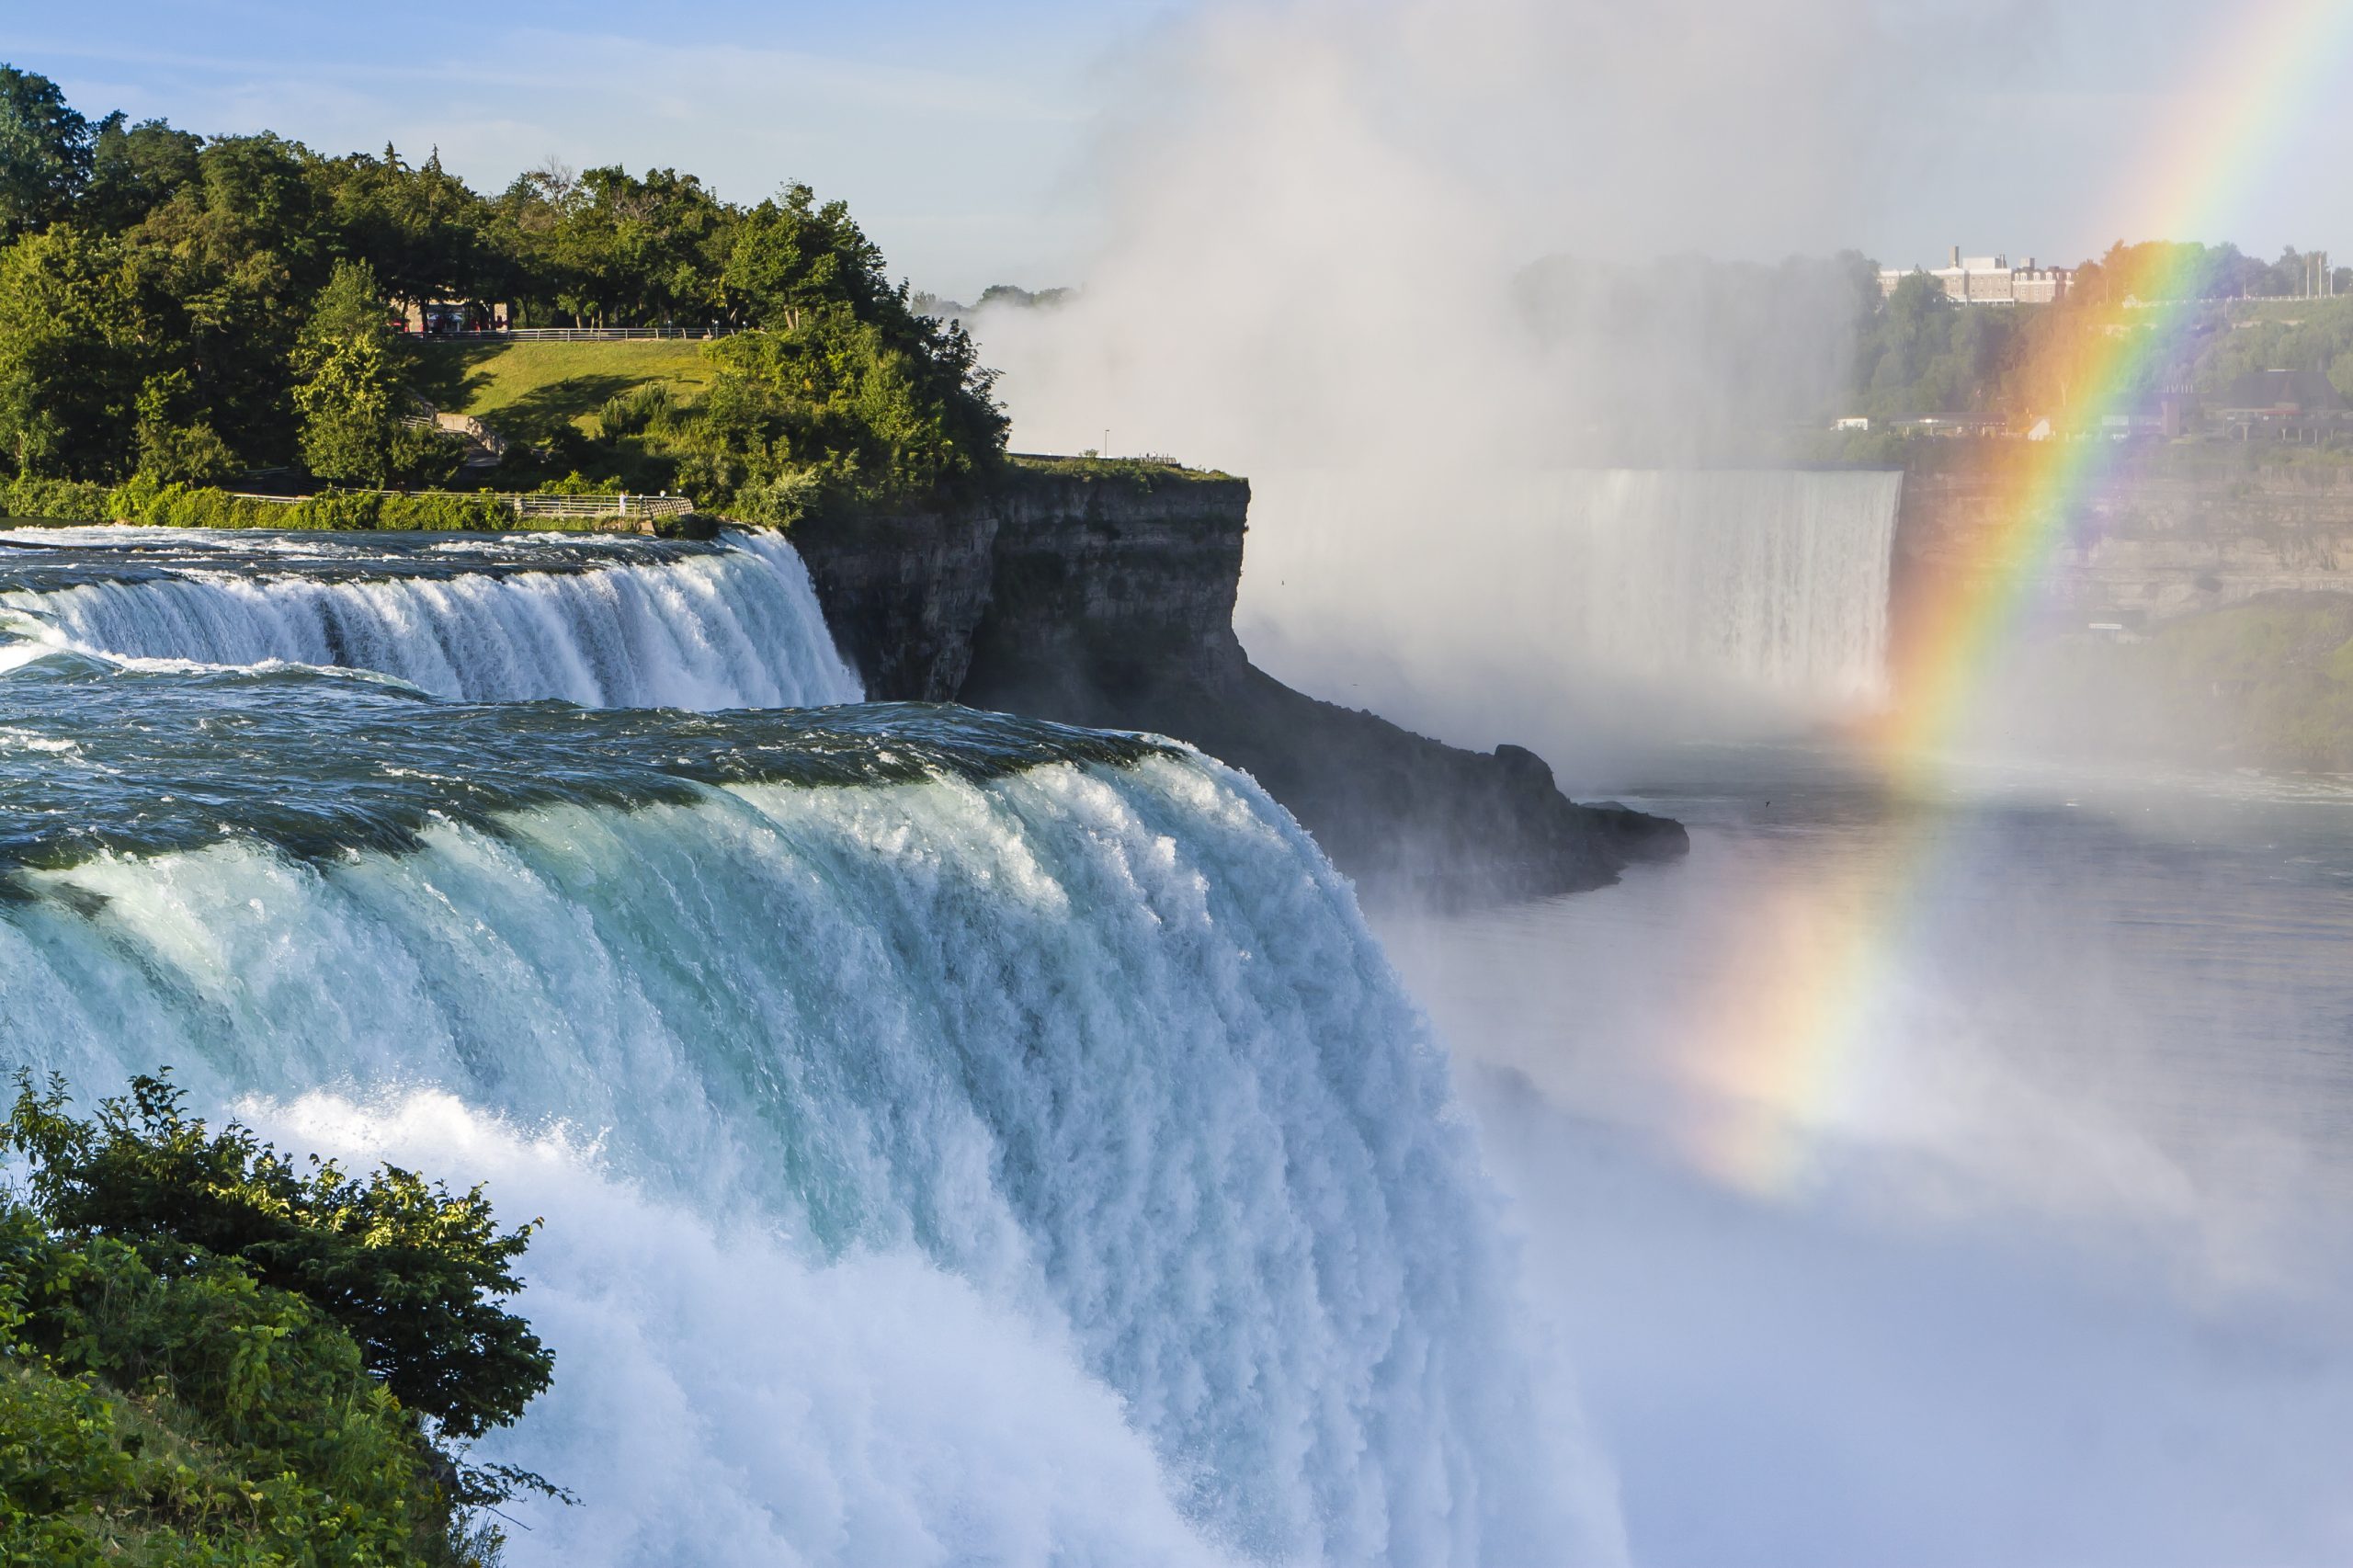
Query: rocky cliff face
[[1107, 599], [2157, 540]]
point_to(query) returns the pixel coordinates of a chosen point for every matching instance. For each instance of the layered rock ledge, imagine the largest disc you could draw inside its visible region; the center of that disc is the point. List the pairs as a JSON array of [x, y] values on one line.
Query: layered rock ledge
[[1103, 594]]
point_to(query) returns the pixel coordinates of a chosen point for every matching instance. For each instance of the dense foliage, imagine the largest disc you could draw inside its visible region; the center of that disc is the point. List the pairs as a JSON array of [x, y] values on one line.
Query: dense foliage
[[218, 1355], [189, 309], [146, 500]]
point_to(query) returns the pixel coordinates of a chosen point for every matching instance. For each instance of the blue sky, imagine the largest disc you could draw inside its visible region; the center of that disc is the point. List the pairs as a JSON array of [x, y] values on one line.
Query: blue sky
[[965, 136], [953, 133]]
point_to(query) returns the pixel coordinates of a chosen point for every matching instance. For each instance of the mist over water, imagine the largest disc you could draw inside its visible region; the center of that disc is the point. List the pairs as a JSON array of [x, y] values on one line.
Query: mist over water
[[2052, 1264], [1026, 1152], [1399, 265], [1579, 612], [2044, 1259]]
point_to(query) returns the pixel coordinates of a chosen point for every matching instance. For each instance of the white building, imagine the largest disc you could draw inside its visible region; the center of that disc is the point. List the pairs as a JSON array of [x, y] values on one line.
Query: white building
[[1989, 280]]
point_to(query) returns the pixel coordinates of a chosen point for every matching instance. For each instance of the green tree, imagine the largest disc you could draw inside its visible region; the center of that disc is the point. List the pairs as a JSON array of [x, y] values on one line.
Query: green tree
[[348, 392], [791, 255], [348, 401], [2340, 375], [75, 349], [44, 152], [168, 291], [425, 234], [412, 1271], [176, 445], [135, 169], [227, 265]]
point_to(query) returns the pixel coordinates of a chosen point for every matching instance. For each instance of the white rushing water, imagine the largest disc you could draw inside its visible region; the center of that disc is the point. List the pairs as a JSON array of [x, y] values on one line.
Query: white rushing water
[[737, 626], [1628, 599], [1050, 1169]]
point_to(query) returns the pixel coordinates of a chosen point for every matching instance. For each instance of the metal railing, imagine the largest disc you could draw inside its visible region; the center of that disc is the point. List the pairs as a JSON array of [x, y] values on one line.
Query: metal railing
[[598, 505], [576, 334]]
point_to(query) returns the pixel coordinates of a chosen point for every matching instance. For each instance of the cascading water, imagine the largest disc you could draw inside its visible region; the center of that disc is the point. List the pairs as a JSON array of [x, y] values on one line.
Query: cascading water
[[606, 623], [962, 1139], [1732, 593]]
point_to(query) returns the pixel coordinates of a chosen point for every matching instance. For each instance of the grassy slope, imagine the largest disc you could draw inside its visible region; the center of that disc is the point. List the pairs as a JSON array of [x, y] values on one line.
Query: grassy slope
[[525, 390]]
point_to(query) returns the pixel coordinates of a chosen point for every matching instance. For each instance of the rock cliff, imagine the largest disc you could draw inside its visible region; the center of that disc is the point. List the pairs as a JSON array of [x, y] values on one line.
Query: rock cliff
[[1103, 594], [2160, 537]]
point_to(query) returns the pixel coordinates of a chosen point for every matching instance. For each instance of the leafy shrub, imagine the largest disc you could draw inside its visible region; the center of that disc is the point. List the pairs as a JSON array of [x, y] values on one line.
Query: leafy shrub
[[630, 413], [55, 500], [573, 483], [206, 1342], [144, 500], [411, 1271], [783, 500]]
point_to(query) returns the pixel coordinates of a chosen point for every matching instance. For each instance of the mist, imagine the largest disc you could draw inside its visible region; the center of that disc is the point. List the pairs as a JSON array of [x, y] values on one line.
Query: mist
[[1508, 311], [1325, 225], [1401, 266]]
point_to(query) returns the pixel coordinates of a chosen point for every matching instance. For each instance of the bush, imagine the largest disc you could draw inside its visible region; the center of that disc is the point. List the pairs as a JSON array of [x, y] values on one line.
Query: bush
[[207, 1347], [55, 500], [186, 506], [629, 413], [411, 1271], [574, 483]]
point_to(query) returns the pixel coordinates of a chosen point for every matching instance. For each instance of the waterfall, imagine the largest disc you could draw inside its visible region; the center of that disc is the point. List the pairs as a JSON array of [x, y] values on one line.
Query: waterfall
[[1018, 1165], [1746, 591], [735, 626]]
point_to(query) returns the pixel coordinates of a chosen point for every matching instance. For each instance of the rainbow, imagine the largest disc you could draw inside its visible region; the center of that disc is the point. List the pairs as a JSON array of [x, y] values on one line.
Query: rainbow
[[1790, 1056]]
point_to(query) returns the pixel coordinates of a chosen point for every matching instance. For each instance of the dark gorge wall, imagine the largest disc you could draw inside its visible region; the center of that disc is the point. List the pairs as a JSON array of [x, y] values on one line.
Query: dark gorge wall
[[2160, 537], [1106, 598]]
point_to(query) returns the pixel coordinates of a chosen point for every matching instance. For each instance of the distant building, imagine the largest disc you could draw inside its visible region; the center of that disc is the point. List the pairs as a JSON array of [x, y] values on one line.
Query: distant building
[[1949, 424], [435, 318], [1989, 280]]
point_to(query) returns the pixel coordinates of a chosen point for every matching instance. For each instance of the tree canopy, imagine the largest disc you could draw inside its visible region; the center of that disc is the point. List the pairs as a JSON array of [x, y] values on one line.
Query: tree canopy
[[218, 1353], [161, 301], [412, 1272]]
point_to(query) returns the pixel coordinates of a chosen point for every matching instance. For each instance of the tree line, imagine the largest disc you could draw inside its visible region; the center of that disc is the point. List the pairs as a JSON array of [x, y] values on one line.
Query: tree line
[[1687, 359], [1920, 353], [185, 308]]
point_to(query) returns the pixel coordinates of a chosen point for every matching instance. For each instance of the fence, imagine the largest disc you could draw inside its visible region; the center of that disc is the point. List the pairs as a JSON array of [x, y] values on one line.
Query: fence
[[532, 506], [575, 335], [598, 505]]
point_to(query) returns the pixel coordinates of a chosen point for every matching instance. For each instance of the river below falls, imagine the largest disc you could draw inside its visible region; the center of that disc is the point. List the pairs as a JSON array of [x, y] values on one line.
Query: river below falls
[[1957, 1178]]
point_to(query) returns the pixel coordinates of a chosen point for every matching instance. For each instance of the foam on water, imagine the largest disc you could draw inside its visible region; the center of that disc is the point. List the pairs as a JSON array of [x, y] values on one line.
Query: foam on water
[[732, 627], [1044, 1166]]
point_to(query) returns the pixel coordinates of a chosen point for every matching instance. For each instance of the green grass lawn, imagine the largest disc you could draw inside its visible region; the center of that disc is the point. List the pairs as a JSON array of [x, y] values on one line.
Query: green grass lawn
[[525, 391]]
